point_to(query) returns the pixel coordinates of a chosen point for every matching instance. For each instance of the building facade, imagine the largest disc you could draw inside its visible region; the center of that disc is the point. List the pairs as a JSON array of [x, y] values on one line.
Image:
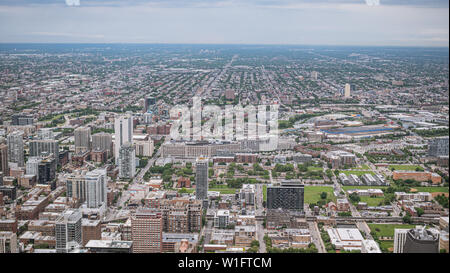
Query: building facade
[[68, 231], [44, 147], [82, 139], [201, 179], [123, 127], [127, 161], [421, 240], [290, 195], [438, 147], [15, 148], [4, 159], [102, 142], [146, 231]]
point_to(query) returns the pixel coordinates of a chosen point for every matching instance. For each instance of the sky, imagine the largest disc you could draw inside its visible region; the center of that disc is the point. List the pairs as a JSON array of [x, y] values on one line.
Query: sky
[[299, 22]]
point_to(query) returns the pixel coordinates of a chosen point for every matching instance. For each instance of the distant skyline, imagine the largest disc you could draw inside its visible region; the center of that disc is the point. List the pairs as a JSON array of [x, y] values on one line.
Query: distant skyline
[[289, 22]]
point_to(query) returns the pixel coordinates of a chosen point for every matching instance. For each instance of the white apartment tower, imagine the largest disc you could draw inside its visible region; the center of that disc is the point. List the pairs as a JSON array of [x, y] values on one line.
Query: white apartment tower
[[90, 187], [123, 127], [347, 90], [32, 166], [15, 148], [96, 188], [127, 161], [68, 231], [399, 239]]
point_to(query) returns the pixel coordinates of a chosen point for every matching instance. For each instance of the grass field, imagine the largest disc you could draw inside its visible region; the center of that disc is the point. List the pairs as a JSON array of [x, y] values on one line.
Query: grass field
[[363, 167], [372, 201], [264, 192], [388, 245], [432, 189], [406, 167], [358, 173], [54, 118], [312, 193], [387, 230], [315, 169]]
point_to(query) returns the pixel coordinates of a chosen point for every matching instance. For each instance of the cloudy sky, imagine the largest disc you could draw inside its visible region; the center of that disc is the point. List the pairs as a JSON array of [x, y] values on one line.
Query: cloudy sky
[[308, 22]]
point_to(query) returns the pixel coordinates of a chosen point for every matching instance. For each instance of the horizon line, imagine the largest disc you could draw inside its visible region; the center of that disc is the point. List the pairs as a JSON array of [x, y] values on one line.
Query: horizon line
[[229, 44]]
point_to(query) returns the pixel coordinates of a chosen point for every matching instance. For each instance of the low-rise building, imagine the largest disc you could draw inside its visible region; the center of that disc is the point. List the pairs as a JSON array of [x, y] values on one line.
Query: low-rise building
[[417, 176], [346, 238], [109, 246]]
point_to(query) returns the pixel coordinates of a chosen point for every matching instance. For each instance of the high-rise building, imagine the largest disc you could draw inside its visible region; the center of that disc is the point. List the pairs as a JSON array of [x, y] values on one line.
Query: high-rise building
[[289, 195], [68, 231], [438, 146], [76, 187], [102, 141], [47, 171], [148, 117], [347, 90], [4, 159], [21, 120], [150, 104], [90, 188], [82, 139], [32, 166], [399, 239], [180, 215], [314, 75], [127, 161], [421, 240], [44, 147], [222, 218], [144, 147], [146, 231], [201, 178], [96, 188], [15, 148], [123, 127], [247, 194]]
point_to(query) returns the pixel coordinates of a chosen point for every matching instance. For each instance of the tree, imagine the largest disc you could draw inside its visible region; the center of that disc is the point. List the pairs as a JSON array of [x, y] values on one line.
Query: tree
[[323, 195], [407, 218], [419, 211], [354, 197], [254, 243]]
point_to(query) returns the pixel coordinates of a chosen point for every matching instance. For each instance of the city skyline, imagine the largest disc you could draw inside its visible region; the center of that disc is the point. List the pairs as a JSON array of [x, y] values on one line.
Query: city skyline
[[224, 126]]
